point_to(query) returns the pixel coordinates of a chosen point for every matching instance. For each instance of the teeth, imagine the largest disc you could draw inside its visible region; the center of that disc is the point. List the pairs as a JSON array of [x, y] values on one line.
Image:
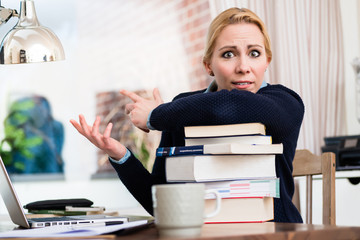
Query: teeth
[[242, 83]]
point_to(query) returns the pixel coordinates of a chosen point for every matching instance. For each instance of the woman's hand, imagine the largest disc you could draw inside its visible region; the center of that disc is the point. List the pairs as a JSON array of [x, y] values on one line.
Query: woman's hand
[[103, 141], [140, 109]]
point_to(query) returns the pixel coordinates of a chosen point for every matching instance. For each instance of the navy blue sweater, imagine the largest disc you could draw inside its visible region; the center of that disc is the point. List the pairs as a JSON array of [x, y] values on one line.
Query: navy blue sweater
[[279, 108]]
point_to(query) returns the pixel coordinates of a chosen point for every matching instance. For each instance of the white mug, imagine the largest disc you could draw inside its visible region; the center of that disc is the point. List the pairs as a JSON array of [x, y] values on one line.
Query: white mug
[[179, 208]]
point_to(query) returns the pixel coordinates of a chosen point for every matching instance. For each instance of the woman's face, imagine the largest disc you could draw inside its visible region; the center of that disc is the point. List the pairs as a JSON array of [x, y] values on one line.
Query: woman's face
[[239, 59]]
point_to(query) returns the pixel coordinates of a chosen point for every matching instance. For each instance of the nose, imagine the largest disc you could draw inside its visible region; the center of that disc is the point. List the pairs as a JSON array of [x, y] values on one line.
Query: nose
[[242, 65]]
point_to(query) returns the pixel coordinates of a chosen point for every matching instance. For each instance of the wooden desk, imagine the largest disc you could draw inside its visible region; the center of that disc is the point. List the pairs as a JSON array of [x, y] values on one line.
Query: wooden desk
[[264, 231], [243, 231]]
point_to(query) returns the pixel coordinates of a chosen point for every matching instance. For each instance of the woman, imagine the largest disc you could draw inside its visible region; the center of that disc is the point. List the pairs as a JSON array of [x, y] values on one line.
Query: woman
[[237, 55]]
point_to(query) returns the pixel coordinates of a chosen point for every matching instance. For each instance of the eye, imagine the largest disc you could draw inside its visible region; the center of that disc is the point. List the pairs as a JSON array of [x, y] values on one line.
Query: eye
[[228, 55], [254, 53]]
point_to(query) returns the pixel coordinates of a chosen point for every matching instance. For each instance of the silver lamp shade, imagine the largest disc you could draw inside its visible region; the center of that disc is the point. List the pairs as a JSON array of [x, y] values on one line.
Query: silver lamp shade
[[28, 41]]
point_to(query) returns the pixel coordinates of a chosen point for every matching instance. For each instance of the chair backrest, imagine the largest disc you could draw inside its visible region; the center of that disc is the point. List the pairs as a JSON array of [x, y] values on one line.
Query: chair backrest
[[308, 164]]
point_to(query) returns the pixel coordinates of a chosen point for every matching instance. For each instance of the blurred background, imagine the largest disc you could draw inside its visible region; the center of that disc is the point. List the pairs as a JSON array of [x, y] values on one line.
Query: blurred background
[[138, 45]]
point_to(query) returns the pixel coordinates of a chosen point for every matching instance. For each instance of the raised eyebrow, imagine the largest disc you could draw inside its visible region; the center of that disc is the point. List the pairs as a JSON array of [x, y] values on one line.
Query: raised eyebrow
[[234, 47], [227, 47], [254, 45]]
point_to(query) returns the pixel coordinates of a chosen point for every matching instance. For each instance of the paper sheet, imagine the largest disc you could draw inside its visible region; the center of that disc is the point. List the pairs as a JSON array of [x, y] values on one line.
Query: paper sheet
[[70, 231]]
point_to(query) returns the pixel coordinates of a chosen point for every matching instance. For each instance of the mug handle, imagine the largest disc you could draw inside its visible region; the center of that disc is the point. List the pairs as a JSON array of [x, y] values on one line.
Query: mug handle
[[218, 203]]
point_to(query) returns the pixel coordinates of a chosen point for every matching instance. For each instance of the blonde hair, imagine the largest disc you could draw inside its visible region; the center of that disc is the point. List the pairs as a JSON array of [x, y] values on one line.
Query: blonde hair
[[233, 16]]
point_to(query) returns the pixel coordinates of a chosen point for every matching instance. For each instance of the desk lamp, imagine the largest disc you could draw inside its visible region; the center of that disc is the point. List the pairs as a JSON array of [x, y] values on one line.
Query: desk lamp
[[28, 41]]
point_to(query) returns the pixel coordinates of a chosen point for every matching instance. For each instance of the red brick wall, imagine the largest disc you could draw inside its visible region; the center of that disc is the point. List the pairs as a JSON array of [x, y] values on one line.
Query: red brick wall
[[195, 18], [111, 107]]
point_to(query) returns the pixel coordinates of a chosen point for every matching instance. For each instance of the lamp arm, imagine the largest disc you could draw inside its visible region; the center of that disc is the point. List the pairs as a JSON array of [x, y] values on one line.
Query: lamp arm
[[6, 14]]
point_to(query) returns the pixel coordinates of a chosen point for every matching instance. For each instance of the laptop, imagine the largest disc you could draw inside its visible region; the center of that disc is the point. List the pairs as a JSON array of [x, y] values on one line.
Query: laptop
[[18, 216]]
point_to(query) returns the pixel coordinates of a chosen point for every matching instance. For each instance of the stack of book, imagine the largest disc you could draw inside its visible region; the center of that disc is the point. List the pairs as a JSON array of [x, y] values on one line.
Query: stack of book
[[238, 160]]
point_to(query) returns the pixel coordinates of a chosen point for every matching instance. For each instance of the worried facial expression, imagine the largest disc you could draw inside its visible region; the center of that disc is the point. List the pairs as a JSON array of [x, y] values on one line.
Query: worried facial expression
[[239, 58]]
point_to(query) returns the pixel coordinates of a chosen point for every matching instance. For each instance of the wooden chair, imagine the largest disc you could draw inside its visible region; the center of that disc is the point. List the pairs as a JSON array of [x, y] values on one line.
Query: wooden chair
[[308, 164]]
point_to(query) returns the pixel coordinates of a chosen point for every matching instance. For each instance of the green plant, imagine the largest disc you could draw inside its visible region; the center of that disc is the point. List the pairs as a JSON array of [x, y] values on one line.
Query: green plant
[[15, 138]]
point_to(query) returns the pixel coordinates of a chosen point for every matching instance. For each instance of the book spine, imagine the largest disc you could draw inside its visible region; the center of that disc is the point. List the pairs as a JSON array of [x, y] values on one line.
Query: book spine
[[249, 139], [182, 150]]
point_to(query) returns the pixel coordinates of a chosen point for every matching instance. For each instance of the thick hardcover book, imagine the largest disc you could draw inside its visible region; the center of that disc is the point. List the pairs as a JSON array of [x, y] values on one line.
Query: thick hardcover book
[[225, 130], [201, 168], [221, 148], [249, 139], [241, 210], [262, 187]]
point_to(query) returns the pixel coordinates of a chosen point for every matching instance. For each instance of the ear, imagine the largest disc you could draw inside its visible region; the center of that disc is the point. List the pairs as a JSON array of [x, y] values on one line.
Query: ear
[[208, 68], [268, 61]]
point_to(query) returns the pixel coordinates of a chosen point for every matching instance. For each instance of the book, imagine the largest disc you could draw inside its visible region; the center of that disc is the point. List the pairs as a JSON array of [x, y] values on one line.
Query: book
[[225, 130], [241, 210], [250, 139], [59, 212], [201, 168], [70, 211], [221, 148], [262, 187], [84, 209]]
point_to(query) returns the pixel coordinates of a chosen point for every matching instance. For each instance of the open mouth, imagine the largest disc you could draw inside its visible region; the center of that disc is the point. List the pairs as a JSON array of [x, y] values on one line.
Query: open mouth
[[242, 83]]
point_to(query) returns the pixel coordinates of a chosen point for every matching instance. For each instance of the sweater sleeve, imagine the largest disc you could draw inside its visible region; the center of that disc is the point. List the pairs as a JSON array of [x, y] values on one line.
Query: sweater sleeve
[[275, 106], [138, 180]]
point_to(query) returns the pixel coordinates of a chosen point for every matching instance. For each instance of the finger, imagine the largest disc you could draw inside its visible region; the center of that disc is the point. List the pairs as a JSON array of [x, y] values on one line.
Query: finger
[[76, 126], [107, 134], [157, 96], [96, 137], [86, 128], [129, 107], [95, 127], [107, 131], [133, 96]]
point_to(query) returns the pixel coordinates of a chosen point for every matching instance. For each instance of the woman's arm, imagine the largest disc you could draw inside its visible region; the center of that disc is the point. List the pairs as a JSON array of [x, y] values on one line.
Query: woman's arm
[[275, 106], [131, 172], [138, 180]]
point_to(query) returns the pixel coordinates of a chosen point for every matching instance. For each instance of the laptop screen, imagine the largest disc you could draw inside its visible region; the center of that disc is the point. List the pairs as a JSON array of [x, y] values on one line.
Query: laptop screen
[[10, 198]]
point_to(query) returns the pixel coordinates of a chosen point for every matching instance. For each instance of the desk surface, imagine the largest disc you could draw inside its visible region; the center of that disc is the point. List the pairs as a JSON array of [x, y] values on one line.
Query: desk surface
[[248, 231], [265, 231]]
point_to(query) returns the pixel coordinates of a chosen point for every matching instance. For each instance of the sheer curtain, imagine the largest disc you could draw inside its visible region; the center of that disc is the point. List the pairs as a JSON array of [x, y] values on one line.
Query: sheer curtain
[[308, 57]]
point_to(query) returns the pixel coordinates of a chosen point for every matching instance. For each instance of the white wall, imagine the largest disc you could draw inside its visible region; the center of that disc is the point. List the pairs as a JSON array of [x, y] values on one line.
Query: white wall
[[108, 46], [53, 80], [351, 36], [57, 81]]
